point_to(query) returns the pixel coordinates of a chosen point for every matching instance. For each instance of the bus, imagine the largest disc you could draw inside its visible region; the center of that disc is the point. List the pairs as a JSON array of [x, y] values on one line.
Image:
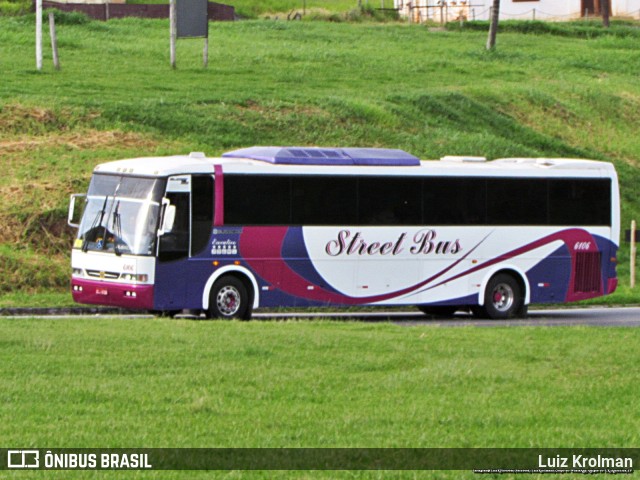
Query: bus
[[301, 227]]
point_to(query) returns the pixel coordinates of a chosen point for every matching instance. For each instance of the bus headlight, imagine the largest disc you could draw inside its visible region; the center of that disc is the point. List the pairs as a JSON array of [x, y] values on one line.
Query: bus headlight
[[132, 277], [76, 272]]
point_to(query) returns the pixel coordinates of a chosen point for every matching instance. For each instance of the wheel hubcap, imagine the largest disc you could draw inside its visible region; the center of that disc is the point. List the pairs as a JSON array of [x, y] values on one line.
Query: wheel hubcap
[[503, 297], [228, 300]]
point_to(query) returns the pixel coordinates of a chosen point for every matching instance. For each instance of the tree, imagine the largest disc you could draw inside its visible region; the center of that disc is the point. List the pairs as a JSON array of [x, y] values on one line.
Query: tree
[[493, 26], [606, 12]]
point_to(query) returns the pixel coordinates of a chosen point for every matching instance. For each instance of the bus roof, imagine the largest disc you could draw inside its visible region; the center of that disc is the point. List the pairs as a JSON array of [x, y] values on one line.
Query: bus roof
[[348, 161]]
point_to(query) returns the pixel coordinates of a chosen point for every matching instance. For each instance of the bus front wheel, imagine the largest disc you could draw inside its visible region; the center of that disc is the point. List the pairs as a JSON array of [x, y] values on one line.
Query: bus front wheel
[[229, 298], [503, 298]]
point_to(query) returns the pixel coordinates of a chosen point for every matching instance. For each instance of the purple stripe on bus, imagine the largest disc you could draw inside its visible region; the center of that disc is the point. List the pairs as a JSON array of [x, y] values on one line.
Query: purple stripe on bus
[[261, 249], [218, 216], [576, 240]]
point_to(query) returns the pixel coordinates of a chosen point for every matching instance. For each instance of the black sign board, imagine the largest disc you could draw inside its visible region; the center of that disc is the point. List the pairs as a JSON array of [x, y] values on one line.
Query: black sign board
[[627, 236], [191, 17]]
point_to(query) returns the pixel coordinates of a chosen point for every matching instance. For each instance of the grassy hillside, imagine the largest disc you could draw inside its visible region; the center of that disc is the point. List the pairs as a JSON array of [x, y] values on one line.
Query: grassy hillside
[[281, 8], [303, 83]]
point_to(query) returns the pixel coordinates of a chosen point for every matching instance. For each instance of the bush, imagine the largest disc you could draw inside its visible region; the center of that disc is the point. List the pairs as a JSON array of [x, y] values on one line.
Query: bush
[[370, 13], [577, 29], [68, 18], [13, 9]]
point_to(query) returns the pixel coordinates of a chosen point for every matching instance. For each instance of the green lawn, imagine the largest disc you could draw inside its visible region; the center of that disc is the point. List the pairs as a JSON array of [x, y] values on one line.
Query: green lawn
[[154, 383], [432, 93], [166, 383]]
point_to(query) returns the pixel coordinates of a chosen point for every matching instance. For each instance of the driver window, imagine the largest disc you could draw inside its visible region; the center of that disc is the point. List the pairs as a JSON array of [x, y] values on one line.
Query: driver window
[[174, 245]]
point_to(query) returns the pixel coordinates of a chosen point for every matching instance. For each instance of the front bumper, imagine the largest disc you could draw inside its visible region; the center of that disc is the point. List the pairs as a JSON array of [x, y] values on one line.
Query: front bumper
[[112, 294]]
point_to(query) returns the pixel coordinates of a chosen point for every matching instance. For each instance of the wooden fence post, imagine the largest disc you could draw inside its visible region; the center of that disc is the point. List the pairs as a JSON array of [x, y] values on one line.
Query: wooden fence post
[[54, 41], [205, 52]]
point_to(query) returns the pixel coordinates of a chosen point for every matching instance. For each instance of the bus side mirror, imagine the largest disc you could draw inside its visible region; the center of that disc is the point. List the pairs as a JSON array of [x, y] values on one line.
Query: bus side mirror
[[168, 218], [73, 220]]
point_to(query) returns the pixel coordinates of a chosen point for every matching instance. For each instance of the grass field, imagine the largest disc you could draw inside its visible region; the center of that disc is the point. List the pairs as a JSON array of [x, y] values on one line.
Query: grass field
[[293, 83], [165, 383]]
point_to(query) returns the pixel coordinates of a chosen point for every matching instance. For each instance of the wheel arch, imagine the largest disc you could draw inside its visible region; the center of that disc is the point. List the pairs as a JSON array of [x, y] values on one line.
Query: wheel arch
[[241, 273], [517, 273]]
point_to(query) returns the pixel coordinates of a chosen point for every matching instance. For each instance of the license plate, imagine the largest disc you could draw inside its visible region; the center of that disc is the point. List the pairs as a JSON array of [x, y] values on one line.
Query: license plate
[[102, 291]]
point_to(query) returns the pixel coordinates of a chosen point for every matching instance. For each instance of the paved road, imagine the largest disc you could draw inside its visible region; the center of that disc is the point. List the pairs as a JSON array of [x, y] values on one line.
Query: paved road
[[600, 316], [596, 316]]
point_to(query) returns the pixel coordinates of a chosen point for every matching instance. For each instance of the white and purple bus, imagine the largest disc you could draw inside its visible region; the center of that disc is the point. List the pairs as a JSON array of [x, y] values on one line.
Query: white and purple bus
[[295, 227]]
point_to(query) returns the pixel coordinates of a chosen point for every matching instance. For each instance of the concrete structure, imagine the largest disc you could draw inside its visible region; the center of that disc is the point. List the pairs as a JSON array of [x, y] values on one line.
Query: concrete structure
[[451, 10]]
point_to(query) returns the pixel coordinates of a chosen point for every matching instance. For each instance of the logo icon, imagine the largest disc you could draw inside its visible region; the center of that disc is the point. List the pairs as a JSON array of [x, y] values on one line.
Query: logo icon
[[23, 459]]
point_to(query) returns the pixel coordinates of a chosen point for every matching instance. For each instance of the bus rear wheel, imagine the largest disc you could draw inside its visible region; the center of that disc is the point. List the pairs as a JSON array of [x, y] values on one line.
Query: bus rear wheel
[[503, 298], [229, 298]]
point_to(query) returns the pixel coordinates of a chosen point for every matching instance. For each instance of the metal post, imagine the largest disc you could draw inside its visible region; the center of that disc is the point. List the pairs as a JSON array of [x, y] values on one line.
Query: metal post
[[54, 41], [39, 34], [534, 14], [205, 52], [632, 254], [173, 32]]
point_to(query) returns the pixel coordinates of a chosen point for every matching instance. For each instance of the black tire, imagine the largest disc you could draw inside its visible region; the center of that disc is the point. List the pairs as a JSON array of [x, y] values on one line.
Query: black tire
[[439, 310], [229, 298], [503, 298]]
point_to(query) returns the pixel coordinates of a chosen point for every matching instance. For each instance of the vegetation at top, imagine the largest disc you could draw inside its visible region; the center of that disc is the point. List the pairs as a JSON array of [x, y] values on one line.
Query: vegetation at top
[[429, 92], [175, 383], [328, 9]]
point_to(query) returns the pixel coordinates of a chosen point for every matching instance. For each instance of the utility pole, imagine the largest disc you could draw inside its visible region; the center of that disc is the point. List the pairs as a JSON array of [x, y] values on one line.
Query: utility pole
[[173, 32], [493, 26], [39, 34]]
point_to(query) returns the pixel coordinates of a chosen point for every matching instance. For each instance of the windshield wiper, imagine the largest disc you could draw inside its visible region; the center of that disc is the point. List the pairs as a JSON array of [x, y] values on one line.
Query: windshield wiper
[[117, 227], [97, 222]]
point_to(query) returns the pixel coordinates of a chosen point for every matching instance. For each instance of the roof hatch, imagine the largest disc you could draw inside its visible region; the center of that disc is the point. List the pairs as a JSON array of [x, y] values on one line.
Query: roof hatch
[[327, 156]]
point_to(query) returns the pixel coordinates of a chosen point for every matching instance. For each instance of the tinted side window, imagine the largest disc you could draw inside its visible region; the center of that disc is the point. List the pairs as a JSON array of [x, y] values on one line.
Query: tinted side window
[[454, 201], [202, 212], [517, 201], [324, 200], [389, 201], [174, 245], [256, 200], [580, 202]]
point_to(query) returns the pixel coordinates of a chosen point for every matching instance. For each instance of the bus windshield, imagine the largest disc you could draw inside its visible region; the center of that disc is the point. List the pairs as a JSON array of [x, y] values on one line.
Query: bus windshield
[[121, 215]]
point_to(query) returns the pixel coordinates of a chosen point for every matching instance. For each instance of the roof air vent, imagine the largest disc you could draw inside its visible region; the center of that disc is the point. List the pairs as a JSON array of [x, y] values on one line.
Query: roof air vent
[[326, 156]]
